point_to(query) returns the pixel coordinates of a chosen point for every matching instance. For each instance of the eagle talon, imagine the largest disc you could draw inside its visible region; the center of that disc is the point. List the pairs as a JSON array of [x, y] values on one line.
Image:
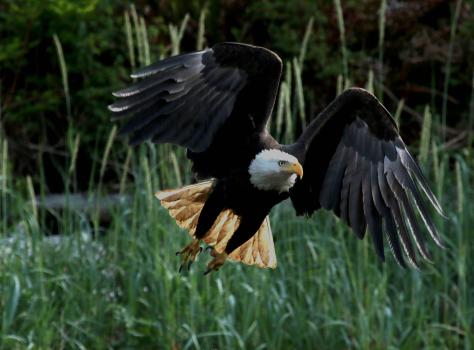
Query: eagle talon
[[212, 251], [188, 254], [216, 263]]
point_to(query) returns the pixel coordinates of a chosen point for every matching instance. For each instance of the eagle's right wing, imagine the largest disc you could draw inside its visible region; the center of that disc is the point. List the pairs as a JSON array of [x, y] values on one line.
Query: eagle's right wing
[[226, 92]]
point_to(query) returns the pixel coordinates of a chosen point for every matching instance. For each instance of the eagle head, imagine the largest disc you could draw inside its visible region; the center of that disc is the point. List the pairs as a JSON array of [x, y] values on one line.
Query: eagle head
[[274, 170]]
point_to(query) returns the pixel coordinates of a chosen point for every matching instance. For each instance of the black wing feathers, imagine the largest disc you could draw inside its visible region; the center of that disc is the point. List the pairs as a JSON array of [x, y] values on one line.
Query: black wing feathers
[[183, 99], [190, 98], [374, 221], [371, 180]]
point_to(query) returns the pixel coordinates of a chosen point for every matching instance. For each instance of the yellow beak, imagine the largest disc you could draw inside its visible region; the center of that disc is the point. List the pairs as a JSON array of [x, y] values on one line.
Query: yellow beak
[[295, 168]]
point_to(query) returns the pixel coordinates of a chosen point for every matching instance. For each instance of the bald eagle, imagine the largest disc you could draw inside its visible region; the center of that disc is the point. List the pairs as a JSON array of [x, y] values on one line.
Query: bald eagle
[[349, 160]]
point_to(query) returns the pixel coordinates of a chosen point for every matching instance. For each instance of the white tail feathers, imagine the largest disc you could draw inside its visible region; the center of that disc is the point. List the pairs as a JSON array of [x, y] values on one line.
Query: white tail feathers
[[185, 204]]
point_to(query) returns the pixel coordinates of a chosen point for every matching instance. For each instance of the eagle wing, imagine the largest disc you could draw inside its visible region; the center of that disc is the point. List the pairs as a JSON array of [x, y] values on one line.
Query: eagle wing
[[208, 100], [356, 165]]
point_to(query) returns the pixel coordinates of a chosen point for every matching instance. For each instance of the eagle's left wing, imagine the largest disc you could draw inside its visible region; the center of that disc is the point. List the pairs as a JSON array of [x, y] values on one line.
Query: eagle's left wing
[[356, 165]]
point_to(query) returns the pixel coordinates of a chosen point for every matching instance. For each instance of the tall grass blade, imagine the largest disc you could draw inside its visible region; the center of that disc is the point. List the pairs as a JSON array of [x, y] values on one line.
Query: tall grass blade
[[382, 12], [289, 117], [130, 43], [304, 44], [438, 170], [202, 29], [347, 83], [425, 136], [138, 35], [339, 84], [280, 110], [460, 189], [31, 193], [182, 28], [370, 82], [145, 43], [1, 108], [11, 304], [342, 35], [398, 112], [177, 171], [447, 76], [470, 123], [299, 92], [64, 75], [126, 167], [289, 77], [108, 147], [103, 167], [1, 113], [148, 182], [174, 39], [4, 184], [462, 246], [74, 152], [177, 35], [287, 111]]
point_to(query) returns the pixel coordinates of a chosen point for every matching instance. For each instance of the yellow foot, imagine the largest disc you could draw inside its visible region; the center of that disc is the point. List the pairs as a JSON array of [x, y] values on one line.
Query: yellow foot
[[189, 253], [217, 262]]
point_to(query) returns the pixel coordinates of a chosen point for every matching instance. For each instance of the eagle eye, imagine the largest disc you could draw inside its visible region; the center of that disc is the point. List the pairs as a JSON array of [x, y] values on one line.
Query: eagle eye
[[281, 162]]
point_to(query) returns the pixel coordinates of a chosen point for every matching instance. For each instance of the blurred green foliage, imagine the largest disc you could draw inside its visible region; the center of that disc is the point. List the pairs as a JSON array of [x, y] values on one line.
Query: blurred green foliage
[[34, 114], [33, 102]]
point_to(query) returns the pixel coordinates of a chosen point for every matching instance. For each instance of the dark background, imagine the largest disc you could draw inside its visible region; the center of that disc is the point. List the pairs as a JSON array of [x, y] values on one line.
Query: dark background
[[33, 111]]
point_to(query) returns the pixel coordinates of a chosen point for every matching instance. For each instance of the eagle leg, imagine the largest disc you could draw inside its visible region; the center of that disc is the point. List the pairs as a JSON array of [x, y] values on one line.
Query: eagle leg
[[189, 253], [217, 262]]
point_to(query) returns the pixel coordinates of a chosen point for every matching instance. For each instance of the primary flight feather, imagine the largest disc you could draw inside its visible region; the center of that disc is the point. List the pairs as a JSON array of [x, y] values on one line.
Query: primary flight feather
[[350, 159]]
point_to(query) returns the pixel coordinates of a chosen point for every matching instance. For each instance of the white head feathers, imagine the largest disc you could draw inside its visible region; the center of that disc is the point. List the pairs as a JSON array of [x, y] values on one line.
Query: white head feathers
[[274, 170]]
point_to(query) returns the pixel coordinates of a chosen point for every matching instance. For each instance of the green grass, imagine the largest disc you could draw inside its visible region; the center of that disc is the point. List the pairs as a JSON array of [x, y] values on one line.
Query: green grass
[[122, 289]]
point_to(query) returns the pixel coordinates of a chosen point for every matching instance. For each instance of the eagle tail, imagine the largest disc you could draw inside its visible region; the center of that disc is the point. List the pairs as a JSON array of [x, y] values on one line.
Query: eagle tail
[[185, 204]]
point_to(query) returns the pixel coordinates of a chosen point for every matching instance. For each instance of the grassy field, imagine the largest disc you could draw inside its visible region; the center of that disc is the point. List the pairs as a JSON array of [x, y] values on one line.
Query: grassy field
[[123, 290], [120, 287]]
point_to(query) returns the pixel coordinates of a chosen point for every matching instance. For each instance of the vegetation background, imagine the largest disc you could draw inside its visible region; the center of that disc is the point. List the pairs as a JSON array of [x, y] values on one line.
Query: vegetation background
[[86, 253]]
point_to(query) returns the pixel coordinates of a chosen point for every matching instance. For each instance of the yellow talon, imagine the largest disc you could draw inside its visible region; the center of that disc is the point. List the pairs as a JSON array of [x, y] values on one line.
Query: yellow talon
[[217, 262], [189, 253]]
